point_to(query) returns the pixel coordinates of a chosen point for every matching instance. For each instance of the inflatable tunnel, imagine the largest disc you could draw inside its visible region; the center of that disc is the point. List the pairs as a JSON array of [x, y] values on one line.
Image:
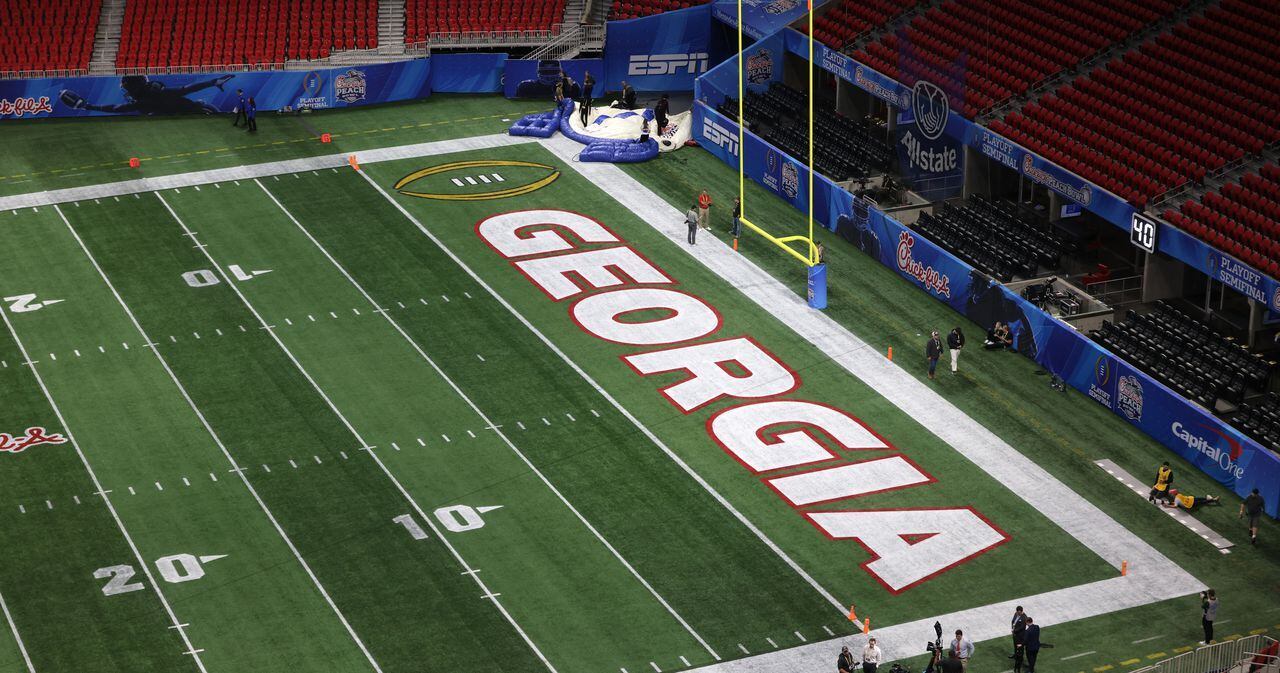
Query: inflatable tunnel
[[538, 124]]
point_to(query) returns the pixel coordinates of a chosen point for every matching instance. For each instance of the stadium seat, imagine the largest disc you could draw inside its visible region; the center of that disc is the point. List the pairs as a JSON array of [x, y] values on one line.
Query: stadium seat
[[631, 9], [424, 18], [52, 35], [1242, 218], [995, 238]]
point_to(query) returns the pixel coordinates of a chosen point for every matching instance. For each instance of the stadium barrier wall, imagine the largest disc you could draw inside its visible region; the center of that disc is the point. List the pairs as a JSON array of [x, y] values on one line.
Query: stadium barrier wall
[[467, 73], [210, 93], [663, 52], [521, 77], [761, 17], [1170, 240], [1217, 449]]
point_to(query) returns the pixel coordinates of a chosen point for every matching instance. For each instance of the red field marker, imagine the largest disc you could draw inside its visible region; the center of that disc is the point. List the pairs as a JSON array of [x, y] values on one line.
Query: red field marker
[[326, 138], [134, 162]]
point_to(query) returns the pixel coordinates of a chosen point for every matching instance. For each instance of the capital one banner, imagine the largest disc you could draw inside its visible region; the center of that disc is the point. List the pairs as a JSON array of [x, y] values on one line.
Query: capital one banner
[[211, 93], [1235, 461], [663, 52]]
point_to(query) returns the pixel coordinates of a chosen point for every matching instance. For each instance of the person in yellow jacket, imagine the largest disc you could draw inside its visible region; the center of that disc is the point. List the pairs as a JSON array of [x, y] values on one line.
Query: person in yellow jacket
[[1190, 502], [1164, 480]]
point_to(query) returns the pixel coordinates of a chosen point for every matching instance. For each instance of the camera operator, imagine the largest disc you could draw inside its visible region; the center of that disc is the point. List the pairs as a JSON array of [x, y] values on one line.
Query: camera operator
[[952, 663], [844, 663]]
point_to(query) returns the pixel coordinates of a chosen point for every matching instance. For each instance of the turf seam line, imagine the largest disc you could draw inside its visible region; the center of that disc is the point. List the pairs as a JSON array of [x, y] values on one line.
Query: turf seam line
[[355, 433], [217, 439], [146, 569]]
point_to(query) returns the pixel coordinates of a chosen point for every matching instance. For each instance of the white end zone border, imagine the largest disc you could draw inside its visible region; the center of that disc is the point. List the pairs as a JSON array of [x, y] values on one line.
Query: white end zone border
[[1152, 576]]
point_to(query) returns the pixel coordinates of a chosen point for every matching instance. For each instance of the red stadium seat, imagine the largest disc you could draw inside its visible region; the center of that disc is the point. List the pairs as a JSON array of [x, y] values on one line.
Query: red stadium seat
[[52, 35]]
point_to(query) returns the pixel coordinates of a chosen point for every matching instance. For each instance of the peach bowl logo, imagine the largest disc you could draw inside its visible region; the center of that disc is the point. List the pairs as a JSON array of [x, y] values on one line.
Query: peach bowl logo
[[32, 437]]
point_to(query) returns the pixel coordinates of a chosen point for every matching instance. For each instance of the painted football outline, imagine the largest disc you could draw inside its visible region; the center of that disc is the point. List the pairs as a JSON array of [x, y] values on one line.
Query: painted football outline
[[483, 196]]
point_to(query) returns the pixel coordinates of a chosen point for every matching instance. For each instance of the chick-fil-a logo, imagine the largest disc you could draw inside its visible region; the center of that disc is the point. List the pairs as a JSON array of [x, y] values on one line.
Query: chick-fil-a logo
[[935, 282], [33, 437], [25, 106]]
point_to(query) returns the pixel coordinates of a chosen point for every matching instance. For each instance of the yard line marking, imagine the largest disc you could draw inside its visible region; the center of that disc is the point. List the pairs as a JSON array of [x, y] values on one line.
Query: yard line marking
[[485, 418], [614, 402], [217, 440], [775, 645], [470, 571], [686, 661], [743, 648], [355, 433], [1147, 640], [14, 628], [93, 476], [1077, 656]]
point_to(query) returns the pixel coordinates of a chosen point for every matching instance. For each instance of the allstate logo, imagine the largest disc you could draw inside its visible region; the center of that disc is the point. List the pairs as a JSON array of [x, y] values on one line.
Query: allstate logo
[[1102, 370], [931, 108], [1275, 300], [1129, 397]]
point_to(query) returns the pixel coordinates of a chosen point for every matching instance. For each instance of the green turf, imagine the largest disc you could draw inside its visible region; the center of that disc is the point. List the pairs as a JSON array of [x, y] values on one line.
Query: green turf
[[405, 597]]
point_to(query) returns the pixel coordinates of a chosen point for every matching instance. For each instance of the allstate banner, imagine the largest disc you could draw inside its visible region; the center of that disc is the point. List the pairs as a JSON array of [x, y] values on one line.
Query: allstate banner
[[927, 135], [211, 93], [1235, 461], [761, 17], [467, 73], [525, 78], [663, 52]]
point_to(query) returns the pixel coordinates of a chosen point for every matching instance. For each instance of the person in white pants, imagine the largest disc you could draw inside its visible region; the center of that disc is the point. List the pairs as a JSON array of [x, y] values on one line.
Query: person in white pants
[[955, 342]]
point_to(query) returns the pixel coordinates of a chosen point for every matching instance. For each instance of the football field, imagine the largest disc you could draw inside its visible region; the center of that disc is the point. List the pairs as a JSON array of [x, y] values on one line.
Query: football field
[[303, 417]]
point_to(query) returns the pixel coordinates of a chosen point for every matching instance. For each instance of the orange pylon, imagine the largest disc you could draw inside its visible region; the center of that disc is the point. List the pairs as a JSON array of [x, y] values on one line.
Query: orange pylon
[[866, 627], [891, 354], [735, 243], [352, 160], [1124, 568], [853, 617]]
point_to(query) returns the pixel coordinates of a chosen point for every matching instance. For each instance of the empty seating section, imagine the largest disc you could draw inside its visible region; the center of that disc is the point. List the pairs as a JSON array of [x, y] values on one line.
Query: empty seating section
[[1182, 105], [1186, 355], [994, 238], [423, 18], [848, 19], [186, 33], [55, 35], [1241, 218], [1261, 420], [994, 49], [848, 149], [631, 9]]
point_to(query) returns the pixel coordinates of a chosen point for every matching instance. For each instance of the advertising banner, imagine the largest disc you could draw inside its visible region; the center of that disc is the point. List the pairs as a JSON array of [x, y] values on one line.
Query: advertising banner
[[467, 73], [763, 65], [1235, 461], [210, 93], [1220, 266], [761, 17], [524, 78], [663, 52]]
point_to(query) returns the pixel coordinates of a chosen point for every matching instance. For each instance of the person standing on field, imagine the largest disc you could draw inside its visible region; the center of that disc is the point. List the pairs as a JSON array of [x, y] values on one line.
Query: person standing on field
[[871, 656], [704, 210], [933, 351], [1208, 613], [691, 219], [1164, 479], [955, 341], [961, 646], [1019, 628], [844, 662], [588, 83], [736, 230], [1031, 644], [240, 111], [252, 113], [1253, 506]]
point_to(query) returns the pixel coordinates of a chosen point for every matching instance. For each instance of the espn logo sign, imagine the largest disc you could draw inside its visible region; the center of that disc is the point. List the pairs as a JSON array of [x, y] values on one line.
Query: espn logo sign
[[719, 135], [667, 64]]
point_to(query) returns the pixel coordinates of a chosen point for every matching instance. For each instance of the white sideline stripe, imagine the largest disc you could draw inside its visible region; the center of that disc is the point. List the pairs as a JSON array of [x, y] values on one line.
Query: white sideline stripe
[[1193, 524], [1152, 576], [614, 402], [355, 433], [16, 636], [137, 554], [273, 168], [1077, 656], [485, 418], [213, 434]]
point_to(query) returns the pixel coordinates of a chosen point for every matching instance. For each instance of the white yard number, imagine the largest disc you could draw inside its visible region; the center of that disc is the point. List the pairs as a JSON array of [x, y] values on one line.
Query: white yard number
[[455, 519], [175, 569], [26, 303], [206, 277]]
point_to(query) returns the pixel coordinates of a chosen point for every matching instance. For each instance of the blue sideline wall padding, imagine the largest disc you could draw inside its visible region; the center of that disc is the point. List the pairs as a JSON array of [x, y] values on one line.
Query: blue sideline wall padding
[[467, 73], [210, 93], [1222, 452], [536, 79]]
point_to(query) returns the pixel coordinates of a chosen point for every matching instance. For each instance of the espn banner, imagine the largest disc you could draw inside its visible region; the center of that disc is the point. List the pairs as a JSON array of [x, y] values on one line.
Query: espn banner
[[663, 52], [1234, 460]]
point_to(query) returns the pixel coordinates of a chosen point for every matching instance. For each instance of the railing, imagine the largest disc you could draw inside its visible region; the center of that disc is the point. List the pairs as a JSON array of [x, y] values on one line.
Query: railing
[[1232, 656], [487, 38], [1116, 291], [38, 74], [337, 58]]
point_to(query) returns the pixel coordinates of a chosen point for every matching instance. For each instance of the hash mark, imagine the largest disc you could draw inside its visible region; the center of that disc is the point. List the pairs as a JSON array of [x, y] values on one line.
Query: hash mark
[[343, 454], [595, 413], [445, 298], [655, 667], [76, 498], [132, 492], [800, 636], [311, 317], [213, 477], [481, 357], [53, 357], [173, 338], [395, 446], [159, 487], [197, 334], [775, 645], [472, 434], [48, 503], [686, 661], [186, 482], [421, 443], [267, 468], [520, 424], [77, 353], [355, 311], [318, 461], [400, 304], [829, 631], [242, 329], [218, 331], [288, 322], [446, 438], [332, 314], [293, 464], [22, 509], [545, 421], [424, 301], [101, 349], [126, 346], [571, 418], [468, 295]]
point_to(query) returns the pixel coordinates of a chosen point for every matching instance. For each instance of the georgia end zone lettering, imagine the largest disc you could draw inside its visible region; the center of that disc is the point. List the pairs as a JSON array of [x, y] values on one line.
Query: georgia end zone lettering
[[615, 294]]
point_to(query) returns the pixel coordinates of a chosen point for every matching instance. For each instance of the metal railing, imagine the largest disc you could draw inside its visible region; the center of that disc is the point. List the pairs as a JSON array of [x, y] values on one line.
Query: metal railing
[[1116, 291], [1232, 656]]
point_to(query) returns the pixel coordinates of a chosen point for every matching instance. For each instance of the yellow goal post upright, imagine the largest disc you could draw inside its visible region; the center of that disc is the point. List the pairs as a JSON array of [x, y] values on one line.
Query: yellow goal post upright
[[817, 271]]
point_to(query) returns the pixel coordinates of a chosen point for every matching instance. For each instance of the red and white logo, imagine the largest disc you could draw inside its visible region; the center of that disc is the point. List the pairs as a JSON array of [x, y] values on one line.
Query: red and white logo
[[24, 106], [33, 437]]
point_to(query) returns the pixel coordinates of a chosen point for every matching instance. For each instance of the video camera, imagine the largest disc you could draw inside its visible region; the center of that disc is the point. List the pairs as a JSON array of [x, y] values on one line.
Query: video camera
[[935, 648]]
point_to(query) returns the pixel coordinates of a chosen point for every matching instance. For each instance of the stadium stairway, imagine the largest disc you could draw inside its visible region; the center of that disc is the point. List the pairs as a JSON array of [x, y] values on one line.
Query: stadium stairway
[[106, 41], [391, 27]]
